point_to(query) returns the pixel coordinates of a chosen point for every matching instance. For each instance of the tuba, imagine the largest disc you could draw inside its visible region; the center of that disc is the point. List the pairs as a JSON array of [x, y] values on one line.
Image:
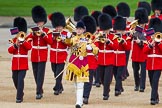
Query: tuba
[[70, 25]]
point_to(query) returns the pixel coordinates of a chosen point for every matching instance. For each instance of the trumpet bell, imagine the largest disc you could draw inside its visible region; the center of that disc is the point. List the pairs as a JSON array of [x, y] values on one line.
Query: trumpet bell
[[70, 25], [21, 36], [133, 24], [157, 37]]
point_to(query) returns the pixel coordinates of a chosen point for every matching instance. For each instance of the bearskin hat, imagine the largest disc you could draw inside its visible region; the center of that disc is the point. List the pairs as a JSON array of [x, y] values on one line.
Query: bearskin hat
[[90, 23], [39, 14], [95, 15], [123, 9], [119, 23], [156, 5], [79, 12], [105, 21], [109, 9], [20, 23], [141, 15], [156, 24], [145, 5], [57, 19]]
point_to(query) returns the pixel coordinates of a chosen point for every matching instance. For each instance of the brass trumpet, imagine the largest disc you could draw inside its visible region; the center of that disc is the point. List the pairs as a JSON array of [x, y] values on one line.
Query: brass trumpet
[[70, 25], [119, 38], [133, 24], [157, 37], [20, 36], [100, 36]]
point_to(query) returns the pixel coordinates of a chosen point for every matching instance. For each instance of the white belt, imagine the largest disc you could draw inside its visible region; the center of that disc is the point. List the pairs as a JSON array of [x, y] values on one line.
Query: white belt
[[90, 54], [106, 51], [58, 50], [119, 52], [20, 55], [39, 47], [154, 55]]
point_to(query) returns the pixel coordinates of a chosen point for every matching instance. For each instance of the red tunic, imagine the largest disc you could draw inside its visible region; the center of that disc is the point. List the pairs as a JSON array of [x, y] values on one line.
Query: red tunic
[[106, 52], [154, 57], [58, 51], [160, 16], [39, 49], [120, 56], [20, 55]]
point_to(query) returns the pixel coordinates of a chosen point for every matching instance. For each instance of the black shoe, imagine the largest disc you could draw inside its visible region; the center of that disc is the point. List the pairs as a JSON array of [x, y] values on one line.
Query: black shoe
[[122, 89], [153, 102], [136, 88], [157, 101], [39, 96], [77, 106], [56, 92], [85, 100], [19, 100], [117, 93], [141, 90], [61, 90], [105, 97], [97, 84]]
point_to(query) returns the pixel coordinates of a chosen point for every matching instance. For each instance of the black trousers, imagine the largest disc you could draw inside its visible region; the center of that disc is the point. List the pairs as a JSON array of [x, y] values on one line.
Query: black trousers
[[39, 73], [126, 73], [106, 78], [18, 79], [140, 78], [97, 76], [88, 85], [154, 76], [57, 68], [118, 72]]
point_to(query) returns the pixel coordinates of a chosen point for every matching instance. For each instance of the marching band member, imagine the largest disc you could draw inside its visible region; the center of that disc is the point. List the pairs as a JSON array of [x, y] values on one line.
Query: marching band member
[[90, 25], [95, 15], [123, 10], [77, 68], [58, 50], [146, 5], [79, 12], [20, 45], [123, 44], [138, 57], [106, 55], [40, 39], [156, 6], [154, 57]]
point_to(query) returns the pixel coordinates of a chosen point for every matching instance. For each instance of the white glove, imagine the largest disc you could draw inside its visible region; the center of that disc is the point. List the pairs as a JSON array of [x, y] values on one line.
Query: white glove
[[89, 47], [69, 35]]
